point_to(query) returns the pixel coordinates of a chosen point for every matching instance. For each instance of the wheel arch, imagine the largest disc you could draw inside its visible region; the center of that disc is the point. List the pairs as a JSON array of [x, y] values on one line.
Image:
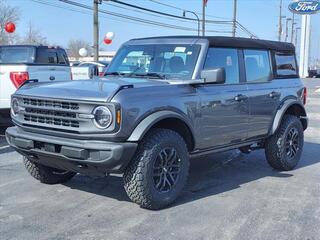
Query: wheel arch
[[292, 107], [168, 120]]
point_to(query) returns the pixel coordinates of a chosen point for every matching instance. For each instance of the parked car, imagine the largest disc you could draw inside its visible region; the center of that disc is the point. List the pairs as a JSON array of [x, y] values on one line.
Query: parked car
[[100, 65], [74, 63], [314, 73], [183, 97], [84, 72], [19, 63]]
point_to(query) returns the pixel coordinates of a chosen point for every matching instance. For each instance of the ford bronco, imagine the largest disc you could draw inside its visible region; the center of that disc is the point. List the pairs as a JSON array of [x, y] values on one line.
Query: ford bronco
[[162, 101]]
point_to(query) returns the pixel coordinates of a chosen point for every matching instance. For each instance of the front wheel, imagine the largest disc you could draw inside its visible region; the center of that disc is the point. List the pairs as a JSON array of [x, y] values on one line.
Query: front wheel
[[284, 148], [46, 174], [159, 170]]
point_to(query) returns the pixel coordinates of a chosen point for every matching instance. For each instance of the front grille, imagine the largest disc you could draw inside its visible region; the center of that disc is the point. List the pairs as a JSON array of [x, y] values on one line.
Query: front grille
[[51, 113], [51, 121], [50, 104], [47, 112]]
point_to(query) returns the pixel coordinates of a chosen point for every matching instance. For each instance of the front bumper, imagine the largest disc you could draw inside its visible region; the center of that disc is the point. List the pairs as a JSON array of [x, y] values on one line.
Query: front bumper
[[83, 156]]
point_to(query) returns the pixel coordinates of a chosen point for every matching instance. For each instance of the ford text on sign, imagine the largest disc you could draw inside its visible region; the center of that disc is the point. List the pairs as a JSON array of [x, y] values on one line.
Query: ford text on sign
[[305, 7]]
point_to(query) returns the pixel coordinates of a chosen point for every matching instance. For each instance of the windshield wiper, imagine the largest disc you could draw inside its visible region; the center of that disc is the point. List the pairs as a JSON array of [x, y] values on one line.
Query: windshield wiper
[[150, 74], [114, 73]]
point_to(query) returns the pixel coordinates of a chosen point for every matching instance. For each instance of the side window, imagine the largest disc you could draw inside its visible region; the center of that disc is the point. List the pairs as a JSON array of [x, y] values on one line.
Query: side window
[[62, 58], [257, 65], [46, 56], [226, 58], [286, 64]]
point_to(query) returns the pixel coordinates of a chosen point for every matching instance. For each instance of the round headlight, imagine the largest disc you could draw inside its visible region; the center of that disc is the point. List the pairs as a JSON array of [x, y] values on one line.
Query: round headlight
[[102, 117], [15, 107]]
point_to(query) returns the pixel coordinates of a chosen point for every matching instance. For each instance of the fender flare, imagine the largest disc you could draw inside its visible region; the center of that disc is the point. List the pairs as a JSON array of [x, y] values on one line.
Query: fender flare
[[146, 124], [281, 111]]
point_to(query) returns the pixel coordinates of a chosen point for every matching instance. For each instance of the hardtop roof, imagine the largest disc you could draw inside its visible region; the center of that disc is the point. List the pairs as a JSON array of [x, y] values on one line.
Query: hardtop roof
[[236, 42]]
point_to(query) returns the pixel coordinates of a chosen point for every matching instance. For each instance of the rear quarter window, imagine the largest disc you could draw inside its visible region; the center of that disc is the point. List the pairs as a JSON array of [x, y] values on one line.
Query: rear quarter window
[[286, 64], [62, 58]]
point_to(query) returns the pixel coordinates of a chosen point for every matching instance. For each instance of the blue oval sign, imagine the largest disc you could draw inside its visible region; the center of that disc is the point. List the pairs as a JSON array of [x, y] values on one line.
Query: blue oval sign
[[305, 7]]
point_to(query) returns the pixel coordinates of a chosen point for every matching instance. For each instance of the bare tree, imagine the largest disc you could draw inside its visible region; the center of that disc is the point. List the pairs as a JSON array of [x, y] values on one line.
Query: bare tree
[[7, 14], [75, 45], [33, 36]]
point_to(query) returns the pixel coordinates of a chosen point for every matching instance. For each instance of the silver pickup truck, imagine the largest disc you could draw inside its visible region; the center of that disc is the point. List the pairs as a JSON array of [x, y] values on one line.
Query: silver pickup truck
[[162, 101]]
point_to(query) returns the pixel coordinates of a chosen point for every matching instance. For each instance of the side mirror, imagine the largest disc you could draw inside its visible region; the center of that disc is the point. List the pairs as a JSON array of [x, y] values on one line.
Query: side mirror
[[217, 75]]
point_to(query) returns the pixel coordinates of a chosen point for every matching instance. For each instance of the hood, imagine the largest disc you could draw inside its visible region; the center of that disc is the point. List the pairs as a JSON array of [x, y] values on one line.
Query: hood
[[90, 90]]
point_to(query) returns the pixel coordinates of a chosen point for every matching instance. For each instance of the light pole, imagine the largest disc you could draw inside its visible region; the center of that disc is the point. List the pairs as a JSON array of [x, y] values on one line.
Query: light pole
[[234, 21], [292, 27], [280, 22], [198, 19], [287, 28], [292, 31], [296, 39]]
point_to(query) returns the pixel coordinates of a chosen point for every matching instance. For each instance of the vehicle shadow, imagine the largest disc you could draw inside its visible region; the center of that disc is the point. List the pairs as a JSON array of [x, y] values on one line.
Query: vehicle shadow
[[210, 175]]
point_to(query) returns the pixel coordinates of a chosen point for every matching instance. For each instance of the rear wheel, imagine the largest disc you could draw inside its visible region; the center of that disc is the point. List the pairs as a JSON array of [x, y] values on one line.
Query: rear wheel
[[46, 174], [283, 149], [159, 170]]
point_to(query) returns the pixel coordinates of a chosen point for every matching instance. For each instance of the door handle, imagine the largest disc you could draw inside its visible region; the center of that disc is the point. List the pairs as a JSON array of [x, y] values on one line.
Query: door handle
[[240, 98], [274, 94], [52, 78]]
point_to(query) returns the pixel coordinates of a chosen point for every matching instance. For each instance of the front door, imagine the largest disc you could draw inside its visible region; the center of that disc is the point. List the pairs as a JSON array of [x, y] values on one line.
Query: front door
[[224, 107]]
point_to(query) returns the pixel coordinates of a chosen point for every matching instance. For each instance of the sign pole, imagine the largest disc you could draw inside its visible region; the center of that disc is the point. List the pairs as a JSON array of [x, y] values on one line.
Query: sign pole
[[305, 45]]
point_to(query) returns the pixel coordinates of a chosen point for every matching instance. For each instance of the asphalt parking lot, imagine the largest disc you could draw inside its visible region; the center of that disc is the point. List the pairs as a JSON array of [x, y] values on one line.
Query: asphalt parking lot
[[229, 196]]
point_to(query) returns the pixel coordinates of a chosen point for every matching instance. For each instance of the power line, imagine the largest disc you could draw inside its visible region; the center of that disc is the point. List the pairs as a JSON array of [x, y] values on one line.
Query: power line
[[150, 10], [174, 7], [234, 22], [140, 11], [161, 13], [246, 30], [150, 22], [83, 12]]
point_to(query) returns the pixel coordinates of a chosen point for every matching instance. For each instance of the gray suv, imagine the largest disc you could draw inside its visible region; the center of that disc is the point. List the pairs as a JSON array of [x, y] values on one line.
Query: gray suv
[[162, 101]]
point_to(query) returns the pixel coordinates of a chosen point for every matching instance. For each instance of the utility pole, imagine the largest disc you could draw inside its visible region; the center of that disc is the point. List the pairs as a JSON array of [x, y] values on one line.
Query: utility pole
[[296, 38], [292, 28], [96, 30], [204, 5], [280, 22], [287, 29], [234, 21]]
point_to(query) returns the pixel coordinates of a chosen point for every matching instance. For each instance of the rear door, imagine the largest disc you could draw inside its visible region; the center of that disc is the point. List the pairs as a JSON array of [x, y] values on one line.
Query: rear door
[[264, 94], [224, 107]]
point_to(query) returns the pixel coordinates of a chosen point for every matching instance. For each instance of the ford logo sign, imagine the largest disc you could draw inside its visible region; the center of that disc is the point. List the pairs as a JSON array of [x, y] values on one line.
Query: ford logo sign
[[305, 7]]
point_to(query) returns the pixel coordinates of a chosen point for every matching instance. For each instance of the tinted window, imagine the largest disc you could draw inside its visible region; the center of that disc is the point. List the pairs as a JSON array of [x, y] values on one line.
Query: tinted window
[[47, 56], [286, 64], [17, 54], [224, 58], [257, 65], [62, 58]]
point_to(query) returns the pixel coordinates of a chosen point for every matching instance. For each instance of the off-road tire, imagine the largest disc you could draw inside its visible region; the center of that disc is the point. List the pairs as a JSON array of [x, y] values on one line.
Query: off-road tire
[[275, 148], [139, 176], [46, 174]]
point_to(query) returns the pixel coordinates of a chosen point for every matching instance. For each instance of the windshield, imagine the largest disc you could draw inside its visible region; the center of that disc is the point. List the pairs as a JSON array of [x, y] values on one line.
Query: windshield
[[17, 54], [170, 61]]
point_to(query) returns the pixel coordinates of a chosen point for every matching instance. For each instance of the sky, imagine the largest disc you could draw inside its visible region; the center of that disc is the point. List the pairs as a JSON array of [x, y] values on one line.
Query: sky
[[63, 22]]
